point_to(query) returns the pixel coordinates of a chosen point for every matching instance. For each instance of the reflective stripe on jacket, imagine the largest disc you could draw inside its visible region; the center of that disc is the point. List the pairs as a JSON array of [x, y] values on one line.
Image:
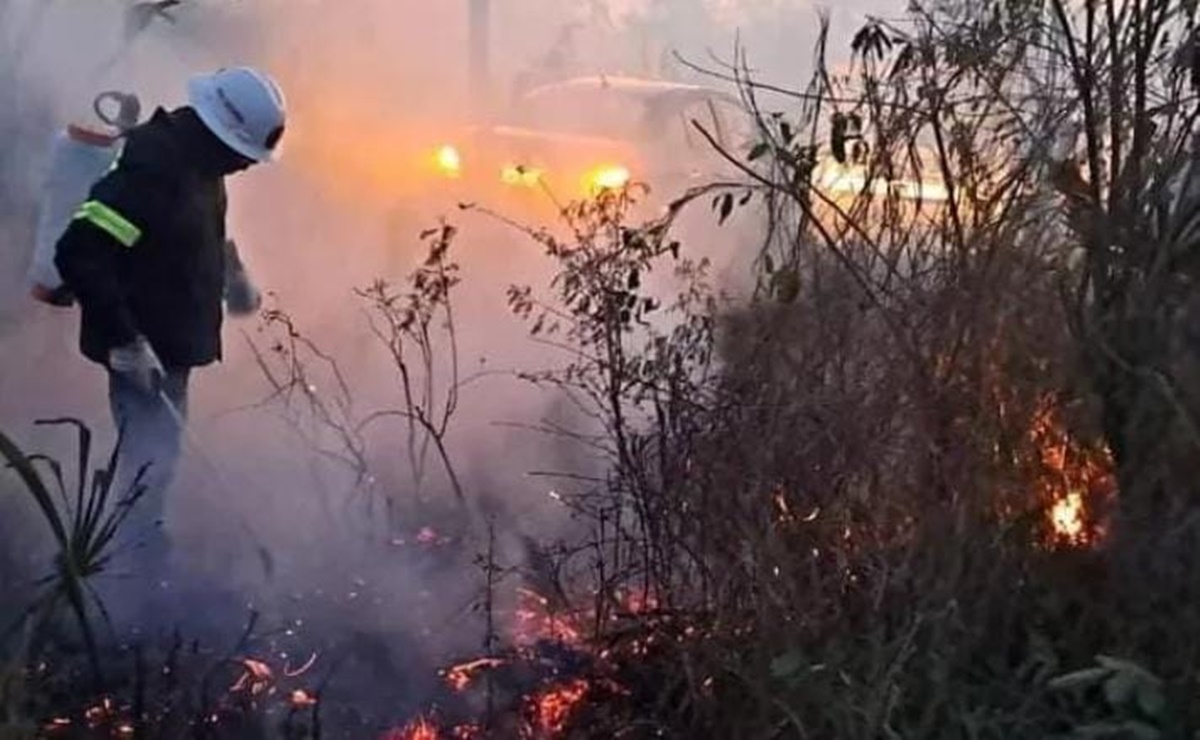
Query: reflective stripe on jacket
[[145, 254]]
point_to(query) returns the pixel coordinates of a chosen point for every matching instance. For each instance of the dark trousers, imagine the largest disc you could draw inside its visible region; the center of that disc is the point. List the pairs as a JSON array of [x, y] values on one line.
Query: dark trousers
[[152, 593], [151, 434]]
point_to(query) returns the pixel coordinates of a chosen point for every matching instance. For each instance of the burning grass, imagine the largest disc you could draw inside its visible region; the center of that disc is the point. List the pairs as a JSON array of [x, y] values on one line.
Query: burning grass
[[553, 708], [869, 503], [1076, 480]]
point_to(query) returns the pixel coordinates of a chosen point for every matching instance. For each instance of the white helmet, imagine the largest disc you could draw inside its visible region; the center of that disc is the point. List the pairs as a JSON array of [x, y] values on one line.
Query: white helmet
[[243, 107]]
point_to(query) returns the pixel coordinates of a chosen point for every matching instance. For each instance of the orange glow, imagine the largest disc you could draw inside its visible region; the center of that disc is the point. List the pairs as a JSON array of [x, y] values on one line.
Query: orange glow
[[553, 708], [852, 180], [419, 729], [388, 155], [640, 602], [1072, 478], [301, 699]]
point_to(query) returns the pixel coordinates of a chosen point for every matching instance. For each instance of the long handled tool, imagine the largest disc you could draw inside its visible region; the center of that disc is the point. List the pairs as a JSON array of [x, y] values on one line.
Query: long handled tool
[[221, 479]]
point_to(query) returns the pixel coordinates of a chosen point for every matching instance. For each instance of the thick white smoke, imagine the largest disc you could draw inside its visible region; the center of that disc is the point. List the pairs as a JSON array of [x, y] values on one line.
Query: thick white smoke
[[369, 83]]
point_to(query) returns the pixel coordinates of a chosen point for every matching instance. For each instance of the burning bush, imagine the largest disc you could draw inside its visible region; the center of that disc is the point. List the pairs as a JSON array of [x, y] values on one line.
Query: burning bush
[[870, 501]]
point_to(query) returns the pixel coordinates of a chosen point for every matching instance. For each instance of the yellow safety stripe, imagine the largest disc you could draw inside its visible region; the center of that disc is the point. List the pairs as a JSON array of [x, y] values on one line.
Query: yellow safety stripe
[[113, 223]]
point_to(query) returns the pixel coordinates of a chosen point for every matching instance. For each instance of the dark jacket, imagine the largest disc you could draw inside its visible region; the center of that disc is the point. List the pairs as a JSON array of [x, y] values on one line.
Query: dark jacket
[[146, 254]]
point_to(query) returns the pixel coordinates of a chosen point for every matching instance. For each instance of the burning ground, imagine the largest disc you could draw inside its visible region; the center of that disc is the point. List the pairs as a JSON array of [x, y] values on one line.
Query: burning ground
[[470, 478]]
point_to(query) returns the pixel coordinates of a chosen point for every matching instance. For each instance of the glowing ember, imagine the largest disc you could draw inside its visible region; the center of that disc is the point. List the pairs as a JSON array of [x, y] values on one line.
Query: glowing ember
[[1067, 517], [301, 699], [463, 675], [552, 709], [419, 729], [640, 602], [98, 714], [784, 511], [1072, 476], [427, 536], [536, 621], [296, 673], [255, 679]]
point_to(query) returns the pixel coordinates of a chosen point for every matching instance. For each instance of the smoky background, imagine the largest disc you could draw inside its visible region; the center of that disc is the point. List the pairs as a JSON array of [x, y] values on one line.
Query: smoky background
[[369, 83]]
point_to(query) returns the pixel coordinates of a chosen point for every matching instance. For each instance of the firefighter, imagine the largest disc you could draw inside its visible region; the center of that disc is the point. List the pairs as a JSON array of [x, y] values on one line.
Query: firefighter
[[148, 261]]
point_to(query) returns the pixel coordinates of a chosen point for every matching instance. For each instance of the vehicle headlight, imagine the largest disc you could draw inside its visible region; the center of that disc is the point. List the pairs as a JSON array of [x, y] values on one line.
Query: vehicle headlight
[[608, 177], [448, 161]]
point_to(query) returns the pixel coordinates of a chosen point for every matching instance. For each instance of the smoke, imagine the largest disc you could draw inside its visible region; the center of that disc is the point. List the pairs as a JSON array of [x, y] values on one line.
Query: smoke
[[373, 86]]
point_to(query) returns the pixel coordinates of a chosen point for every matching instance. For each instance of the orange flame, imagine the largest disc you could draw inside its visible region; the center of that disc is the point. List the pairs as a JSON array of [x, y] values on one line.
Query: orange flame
[[461, 676], [424, 728], [1073, 476], [536, 621], [419, 729], [553, 708]]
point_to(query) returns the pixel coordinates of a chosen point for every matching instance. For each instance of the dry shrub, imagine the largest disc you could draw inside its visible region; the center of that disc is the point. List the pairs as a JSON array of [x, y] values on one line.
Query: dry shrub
[[842, 501]]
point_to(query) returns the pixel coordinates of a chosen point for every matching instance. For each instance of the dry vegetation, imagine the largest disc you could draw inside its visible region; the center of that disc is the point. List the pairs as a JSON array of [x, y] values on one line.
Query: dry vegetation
[[933, 481]]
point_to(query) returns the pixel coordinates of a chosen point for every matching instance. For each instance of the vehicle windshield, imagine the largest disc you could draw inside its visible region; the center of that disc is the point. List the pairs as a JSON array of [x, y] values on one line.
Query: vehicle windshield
[[583, 111], [678, 124], [668, 118]]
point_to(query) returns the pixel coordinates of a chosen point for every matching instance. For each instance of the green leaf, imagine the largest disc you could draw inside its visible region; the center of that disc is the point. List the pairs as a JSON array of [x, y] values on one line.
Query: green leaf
[[36, 488], [1119, 688], [1078, 679], [787, 665], [1127, 666], [759, 151], [1150, 700], [1140, 730], [1125, 730]]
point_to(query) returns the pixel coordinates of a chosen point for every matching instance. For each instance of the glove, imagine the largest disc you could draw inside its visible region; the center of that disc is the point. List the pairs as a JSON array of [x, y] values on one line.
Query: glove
[[137, 363], [241, 297]]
